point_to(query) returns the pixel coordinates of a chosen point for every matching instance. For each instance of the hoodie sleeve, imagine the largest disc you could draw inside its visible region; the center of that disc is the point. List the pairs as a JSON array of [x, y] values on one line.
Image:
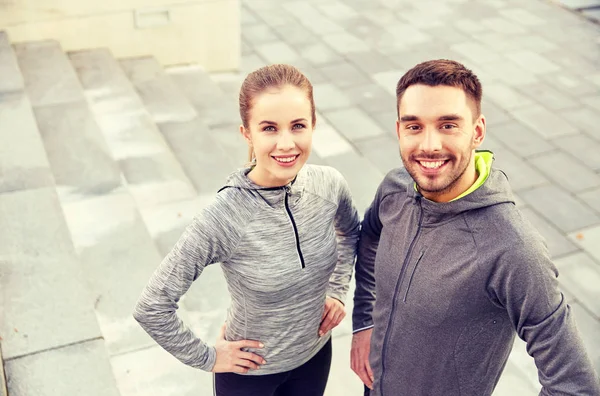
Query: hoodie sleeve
[[210, 238], [364, 294], [347, 227], [525, 284]]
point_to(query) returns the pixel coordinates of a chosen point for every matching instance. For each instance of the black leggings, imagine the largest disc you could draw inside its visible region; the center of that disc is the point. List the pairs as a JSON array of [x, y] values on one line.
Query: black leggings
[[307, 380]]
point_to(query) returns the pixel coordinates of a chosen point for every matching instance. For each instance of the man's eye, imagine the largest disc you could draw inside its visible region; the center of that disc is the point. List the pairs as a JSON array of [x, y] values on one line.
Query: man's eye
[[413, 127], [448, 126]]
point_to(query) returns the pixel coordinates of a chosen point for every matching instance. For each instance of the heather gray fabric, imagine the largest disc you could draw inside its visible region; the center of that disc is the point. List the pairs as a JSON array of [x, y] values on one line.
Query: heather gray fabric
[[453, 281], [280, 261]]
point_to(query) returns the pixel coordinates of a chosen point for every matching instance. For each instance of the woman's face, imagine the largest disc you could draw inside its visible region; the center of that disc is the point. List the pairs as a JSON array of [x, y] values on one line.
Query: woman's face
[[280, 133]]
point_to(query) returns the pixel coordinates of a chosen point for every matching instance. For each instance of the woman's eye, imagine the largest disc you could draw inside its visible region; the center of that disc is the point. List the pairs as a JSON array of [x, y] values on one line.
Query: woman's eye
[[299, 126], [269, 128]]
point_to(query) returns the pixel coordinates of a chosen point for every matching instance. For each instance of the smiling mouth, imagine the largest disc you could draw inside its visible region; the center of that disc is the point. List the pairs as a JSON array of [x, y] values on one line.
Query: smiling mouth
[[432, 165], [286, 159]]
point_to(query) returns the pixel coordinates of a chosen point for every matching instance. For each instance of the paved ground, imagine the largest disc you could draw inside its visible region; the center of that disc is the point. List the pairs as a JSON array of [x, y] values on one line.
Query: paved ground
[[113, 158]]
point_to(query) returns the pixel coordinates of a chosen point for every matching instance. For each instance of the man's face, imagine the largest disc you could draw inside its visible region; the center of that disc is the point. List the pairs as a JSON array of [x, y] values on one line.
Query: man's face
[[438, 136]]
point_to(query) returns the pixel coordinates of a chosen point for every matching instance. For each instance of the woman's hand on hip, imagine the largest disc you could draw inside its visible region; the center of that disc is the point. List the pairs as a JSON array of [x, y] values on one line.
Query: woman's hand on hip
[[332, 315], [231, 358]]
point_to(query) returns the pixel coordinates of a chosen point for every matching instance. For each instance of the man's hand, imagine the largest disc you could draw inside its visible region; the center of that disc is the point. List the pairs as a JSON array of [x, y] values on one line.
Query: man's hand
[[332, 315], [230, 357], [359, 356]]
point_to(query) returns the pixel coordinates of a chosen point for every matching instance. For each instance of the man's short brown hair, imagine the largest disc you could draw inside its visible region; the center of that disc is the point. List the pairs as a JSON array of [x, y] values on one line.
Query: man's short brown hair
[[442, 72]]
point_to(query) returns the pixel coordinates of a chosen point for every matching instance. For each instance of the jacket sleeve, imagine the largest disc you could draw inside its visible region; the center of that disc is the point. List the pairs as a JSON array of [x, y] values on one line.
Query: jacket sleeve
[[210, 238], [525, 283], [364, 294], [347, 227]]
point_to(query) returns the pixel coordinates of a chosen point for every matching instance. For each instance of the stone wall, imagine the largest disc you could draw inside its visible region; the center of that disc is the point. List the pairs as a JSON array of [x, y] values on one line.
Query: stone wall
[[206, 32]]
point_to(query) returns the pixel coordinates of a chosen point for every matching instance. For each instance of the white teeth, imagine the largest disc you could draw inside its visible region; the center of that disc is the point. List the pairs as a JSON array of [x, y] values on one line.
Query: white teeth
[[286, 159], [431, 165]]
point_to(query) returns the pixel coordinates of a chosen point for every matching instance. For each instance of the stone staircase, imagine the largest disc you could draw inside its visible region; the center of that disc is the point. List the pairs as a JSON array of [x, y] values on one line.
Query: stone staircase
[[103, 163]]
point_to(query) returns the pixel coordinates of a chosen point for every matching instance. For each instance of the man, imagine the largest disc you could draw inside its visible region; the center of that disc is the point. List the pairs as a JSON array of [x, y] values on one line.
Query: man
[[455, 268]]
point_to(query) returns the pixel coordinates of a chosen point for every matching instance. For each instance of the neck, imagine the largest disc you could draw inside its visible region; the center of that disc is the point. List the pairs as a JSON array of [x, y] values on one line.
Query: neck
[[264, 179]]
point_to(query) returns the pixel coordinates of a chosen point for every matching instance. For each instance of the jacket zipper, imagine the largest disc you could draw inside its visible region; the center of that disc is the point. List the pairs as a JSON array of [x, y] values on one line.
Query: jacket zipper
[[289, 212], [412, 274], [398, 283]]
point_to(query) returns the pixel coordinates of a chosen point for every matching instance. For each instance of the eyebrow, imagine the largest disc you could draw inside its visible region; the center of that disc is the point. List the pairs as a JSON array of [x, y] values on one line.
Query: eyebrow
[[447, 117], [274, 123]]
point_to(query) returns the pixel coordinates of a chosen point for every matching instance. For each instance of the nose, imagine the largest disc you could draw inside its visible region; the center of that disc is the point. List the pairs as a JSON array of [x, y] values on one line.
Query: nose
[[431, 141], [285, 141]]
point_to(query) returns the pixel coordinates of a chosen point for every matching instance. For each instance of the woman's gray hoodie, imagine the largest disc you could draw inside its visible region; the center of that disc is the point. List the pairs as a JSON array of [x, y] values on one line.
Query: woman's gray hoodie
[[282, 250]]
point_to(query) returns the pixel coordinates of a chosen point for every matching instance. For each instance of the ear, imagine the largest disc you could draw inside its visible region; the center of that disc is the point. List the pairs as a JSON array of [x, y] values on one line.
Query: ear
[[480, 130], [246, 135], [398, 128]]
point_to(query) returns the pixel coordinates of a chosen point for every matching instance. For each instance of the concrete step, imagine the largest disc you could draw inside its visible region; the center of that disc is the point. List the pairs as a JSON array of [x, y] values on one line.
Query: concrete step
[[9, 69], [79, 369], [23, 163], [161, 97], [49, 78], [46, 303], [76, 150], [205, 162], [213, 106], [150, 169]]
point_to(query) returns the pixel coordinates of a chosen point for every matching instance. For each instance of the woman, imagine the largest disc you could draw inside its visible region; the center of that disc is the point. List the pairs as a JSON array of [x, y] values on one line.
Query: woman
[[285, 234]]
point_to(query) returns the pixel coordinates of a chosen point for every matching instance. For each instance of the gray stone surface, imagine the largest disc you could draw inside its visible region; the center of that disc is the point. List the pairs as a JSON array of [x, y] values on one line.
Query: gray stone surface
[[317, 54], [363, 178], [45, 301], [153, 372], [579, 3], [558, 244], [49, 78], [566, 171], [371, 98], [371, 62], [383, 152], [80, 369], [592, 198], [521, 174], [106, 86], [520, 139], [507, 97], [84, 166], [117, 257], [560, 208], [547, 95], [353, 123], [206, 97], [12, 79], [329, 96], [153, 173], [160, 95], [205, 162], [545, 122], [345, 43], [23, 162], [587, 325], [589, 240], [344, 74], [277, 52], [580, 275]]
